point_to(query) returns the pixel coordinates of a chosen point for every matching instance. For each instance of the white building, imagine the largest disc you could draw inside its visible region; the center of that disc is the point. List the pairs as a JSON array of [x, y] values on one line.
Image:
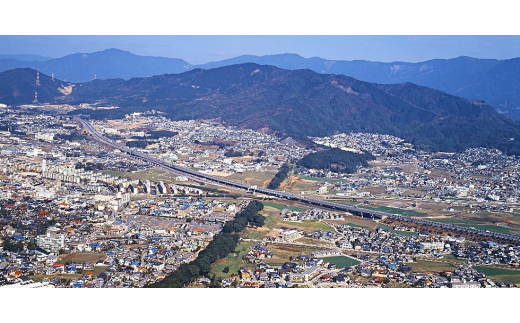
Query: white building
[[438, 245], [51, 241], [323, 189], [45, 136]]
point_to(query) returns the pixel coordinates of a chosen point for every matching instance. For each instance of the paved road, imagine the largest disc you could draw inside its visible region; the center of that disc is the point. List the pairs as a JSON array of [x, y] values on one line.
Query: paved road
[[365, 213]]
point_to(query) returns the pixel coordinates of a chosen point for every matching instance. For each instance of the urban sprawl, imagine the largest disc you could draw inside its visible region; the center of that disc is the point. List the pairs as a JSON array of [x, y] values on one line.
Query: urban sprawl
[[76, 214]]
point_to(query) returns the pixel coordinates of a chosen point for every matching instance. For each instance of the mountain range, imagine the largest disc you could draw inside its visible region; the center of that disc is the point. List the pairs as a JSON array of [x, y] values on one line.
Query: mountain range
[[107, 64], [297, 103], [25, 57], [497, 82]]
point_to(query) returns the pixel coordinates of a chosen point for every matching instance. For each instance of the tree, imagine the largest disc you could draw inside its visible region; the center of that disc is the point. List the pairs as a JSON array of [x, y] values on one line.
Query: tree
[[225, 270], [14, 246], [204, 266], [194, 271], [336, 160], [32, 245], [279, 177], [221, 245]]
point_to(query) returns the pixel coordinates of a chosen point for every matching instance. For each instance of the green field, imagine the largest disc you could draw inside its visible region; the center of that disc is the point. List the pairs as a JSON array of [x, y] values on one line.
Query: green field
[[320, 179], [425, 266], [281, 207], [358, 226], [255, 234], [394, 210], [275, 222], [341, 261], [478, 225], [234, 263], [306, 225], [403, 233], [270, 221], [452, 259], [503, 275], [80, 258], [261, 232]]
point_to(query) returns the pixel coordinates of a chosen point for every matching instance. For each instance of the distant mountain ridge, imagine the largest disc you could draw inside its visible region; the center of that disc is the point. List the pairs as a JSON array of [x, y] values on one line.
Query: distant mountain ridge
[[497, 82], [25, 57], [298, 103], [106, 64]]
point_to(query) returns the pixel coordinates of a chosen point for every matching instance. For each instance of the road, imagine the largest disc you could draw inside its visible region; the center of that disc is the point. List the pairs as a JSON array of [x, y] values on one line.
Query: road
[[365, 213]]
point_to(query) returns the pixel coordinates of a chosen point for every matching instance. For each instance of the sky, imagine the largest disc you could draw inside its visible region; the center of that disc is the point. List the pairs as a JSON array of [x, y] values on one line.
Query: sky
[[203, 49]]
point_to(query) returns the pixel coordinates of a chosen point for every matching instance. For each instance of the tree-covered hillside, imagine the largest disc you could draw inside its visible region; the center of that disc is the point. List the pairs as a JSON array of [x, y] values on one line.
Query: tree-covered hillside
[[336, 160], [297, 103]]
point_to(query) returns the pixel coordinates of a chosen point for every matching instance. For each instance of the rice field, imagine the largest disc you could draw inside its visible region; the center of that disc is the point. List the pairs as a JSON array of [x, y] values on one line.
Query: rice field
[[403, 233], [307, 226], [341, 261], [394, 210], [498, 274], [478, 225], [425, 266]]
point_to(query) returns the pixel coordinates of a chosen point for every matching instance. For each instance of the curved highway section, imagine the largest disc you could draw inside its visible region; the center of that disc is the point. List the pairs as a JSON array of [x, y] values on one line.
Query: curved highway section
[[327, 204]]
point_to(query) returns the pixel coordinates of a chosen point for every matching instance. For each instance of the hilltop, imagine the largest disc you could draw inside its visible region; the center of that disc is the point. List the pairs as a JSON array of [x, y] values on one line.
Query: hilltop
[[106, 64], [494, 81], [302, 103], [497, 82]]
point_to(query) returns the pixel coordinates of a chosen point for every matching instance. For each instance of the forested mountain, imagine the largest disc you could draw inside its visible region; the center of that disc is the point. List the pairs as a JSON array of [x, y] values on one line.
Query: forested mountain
[[18, 87], [107, 64], [497, 82], [299, 103], [25, 57]]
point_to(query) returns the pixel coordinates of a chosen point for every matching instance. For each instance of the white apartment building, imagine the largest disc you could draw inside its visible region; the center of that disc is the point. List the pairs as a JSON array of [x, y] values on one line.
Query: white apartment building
[[51, 241]]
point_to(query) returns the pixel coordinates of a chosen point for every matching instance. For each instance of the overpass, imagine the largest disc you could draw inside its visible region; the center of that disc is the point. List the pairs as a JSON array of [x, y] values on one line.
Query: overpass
[[357, 211]]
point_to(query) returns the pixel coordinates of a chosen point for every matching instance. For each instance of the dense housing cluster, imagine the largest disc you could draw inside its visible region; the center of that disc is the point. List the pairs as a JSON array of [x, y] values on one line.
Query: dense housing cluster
[[75, 213]]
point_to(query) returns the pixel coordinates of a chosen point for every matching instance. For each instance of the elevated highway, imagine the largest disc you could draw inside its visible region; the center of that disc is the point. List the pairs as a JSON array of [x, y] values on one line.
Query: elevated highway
[[365, 213]]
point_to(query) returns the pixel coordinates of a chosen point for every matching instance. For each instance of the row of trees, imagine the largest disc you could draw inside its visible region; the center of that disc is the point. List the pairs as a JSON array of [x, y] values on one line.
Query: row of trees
[[71, 137], [336, 160], [90, 166], [221, 245], [279, 177], [247, 216], [233, 153], [156, 134], [137, 144]]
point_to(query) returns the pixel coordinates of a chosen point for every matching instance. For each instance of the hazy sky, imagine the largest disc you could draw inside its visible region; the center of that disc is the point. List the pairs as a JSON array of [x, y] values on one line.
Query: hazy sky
[[202, 49]]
